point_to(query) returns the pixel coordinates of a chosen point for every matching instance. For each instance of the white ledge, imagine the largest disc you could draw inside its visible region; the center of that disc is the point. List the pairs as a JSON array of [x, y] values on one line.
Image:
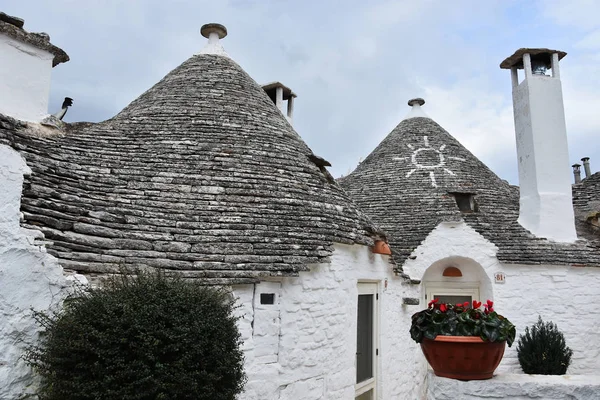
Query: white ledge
[[516, 387]]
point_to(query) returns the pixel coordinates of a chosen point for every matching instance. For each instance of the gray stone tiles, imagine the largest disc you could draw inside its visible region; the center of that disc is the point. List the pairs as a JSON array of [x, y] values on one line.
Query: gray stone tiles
[[201, 175], [409, 184]]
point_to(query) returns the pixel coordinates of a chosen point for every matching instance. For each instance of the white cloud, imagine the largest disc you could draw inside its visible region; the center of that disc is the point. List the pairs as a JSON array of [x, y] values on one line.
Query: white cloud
[[581, 14]]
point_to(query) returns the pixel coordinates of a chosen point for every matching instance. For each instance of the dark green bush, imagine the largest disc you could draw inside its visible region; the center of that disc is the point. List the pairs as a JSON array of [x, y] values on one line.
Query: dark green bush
[[543, 350], [142, 337]]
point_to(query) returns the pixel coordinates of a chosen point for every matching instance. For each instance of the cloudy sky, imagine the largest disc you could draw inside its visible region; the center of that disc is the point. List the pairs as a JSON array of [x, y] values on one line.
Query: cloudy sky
[[354, 64]]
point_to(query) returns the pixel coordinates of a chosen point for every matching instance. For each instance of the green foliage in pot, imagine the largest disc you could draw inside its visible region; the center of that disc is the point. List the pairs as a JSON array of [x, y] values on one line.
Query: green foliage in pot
[[141, 337], [543, 350], [462, 320]]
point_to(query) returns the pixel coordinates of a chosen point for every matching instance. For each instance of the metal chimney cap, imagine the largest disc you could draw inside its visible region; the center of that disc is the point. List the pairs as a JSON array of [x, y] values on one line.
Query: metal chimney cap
[[584, 159], [418, 100], [576, 165], [207, 29]]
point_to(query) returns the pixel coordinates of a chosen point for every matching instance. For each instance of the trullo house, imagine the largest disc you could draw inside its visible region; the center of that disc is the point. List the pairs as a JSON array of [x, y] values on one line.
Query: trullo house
[[203, 175]]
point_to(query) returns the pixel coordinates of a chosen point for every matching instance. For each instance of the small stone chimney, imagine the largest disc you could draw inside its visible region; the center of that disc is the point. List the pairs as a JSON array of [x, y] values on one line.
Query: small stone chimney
[[546, 207], [586, 166], [279, 93], [577, 172], [25, 69]]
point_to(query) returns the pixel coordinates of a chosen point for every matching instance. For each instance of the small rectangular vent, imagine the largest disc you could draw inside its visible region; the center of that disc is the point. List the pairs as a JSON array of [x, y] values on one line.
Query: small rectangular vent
[[267, 298], [466, 202]]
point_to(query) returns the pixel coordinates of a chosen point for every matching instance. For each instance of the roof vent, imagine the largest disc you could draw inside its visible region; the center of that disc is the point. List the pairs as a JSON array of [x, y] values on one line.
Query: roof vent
[[586, 166], [214, 33], [279, 93], [577, 172]]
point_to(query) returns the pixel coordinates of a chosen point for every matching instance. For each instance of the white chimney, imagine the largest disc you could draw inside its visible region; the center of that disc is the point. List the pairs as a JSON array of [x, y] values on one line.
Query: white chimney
[[546, 207], [26, 62], [279, 93]]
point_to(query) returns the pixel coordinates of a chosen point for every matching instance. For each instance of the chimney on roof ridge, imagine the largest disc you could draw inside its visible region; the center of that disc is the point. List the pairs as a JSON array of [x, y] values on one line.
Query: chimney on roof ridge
[[279, 93], [25, 70], [586, 166], [416, 110], [214, 33], [577, 172], [546, 205]]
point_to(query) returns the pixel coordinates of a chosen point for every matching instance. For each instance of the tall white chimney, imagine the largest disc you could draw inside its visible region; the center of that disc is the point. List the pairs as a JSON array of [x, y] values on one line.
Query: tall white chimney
[[26, 62], [546, 207]]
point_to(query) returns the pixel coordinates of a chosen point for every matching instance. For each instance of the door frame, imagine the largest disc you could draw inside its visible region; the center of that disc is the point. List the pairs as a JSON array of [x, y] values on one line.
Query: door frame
[[370, 287]]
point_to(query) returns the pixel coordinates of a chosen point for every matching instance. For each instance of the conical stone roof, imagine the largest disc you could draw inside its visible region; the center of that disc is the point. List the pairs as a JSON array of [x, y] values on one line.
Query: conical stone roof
[[201, 174], [410, 183], [586, 199]]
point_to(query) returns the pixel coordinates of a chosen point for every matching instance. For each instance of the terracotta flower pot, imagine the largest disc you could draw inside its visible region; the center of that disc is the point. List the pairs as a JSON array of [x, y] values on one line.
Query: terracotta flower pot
[[463, 357]]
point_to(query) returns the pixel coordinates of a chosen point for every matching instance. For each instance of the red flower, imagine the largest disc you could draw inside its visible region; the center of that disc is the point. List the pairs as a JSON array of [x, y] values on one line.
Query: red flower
[[432, 302], [458, 305], [466, 304], [490, 304], [476, 304], [443, 308]]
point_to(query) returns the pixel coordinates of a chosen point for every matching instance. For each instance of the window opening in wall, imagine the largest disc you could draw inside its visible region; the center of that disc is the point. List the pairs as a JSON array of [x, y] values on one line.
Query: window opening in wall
[[454, 294], [466, 202], [366, 341], [267, 298]]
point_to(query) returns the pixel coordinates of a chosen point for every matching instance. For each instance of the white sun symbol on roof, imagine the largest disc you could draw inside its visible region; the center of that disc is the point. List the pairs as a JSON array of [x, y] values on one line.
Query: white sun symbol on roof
[[428, 159]]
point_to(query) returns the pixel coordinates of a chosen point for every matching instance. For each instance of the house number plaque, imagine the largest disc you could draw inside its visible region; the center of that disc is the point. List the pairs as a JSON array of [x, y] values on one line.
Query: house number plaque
[[499, 277]]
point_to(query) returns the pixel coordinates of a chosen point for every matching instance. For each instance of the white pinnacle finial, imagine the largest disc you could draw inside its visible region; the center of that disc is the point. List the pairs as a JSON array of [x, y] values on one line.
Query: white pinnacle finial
[[214, 33], [416, 110]]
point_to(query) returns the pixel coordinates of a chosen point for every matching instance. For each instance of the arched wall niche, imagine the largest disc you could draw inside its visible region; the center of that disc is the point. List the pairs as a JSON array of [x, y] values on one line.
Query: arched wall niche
[[473, 276]]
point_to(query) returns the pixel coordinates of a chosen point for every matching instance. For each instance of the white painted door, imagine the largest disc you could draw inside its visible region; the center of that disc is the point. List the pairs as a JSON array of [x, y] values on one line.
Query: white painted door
[[367, 341]]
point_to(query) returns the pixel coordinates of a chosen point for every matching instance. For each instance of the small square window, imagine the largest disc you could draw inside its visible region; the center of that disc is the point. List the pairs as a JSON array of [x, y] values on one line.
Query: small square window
[[466, 202], [267, 298]]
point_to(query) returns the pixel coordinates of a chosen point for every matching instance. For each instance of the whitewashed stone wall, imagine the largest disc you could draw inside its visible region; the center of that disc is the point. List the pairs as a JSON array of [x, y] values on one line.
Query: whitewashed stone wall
[[25, 73], [314, 323], [29, 278], [565, 295]]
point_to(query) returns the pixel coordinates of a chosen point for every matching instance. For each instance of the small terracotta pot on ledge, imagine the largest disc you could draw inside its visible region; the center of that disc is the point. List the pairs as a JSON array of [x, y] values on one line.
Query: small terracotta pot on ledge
[[381, 247], [463, 357]]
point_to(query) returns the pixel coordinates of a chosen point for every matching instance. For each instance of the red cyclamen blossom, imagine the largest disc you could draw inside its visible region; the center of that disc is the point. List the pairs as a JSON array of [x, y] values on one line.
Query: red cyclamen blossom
[[490, 303], [443, 308], [432, 302], [476, 304], [466, 304]]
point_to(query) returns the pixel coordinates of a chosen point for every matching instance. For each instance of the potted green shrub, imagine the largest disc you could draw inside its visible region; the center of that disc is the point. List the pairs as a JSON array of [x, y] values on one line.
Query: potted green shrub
[[462, 341]]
